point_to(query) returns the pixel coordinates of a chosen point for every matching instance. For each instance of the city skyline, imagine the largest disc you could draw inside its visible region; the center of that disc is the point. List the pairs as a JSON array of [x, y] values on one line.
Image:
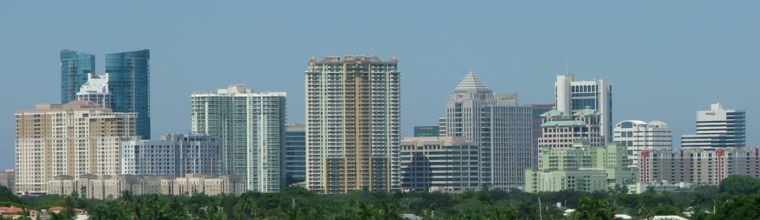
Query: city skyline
[[528, 73]]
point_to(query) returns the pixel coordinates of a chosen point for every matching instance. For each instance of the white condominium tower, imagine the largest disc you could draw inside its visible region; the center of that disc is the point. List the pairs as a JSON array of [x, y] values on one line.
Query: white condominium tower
[[573, 95], [718, 127], [74, 139], [352, 124], [637, 136], [251, 127], [95, 90], [498, 125]]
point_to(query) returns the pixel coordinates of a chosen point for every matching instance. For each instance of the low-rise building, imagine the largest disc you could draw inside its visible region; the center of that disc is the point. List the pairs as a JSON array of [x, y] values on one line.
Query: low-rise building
[[700, 166], [112, 187], [103, 187], [209, 185], [579, 168], [662, 186], [11, 212], [439, 164], [8, 179], [174, 155]]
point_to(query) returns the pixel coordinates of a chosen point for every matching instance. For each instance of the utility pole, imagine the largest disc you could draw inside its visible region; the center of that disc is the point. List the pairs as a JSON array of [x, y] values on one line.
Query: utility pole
[[540, 216]]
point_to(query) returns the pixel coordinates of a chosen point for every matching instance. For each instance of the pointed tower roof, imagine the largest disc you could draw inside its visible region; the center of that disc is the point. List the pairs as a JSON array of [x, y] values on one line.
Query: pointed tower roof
[[471, 82]]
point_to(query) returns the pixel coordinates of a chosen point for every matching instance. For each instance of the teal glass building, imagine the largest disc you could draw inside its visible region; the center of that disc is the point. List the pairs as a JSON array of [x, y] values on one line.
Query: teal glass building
[[75, 66], [130, 86]]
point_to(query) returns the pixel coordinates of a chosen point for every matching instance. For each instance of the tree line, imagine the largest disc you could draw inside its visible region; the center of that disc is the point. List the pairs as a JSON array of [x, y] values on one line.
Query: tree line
[[736, 198]]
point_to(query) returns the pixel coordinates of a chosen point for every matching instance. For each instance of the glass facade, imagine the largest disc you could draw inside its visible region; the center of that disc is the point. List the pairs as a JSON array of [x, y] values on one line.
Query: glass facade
[[130, 86], [75, 66], [295, 153], [426, 131], [251, 126]]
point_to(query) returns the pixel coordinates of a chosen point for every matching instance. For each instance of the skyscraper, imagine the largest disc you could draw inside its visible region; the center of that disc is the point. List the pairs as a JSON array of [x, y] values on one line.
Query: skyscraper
[[352, 124], [95, 90], [129, 82], [718, 127], [75, 66], [574, 95], [295, 153], [251, 126], [501, 127], [73, 139], [636, 136]]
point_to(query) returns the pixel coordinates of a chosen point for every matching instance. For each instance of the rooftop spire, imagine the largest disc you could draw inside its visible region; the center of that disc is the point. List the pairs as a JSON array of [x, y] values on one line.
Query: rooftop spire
[[471, 82]]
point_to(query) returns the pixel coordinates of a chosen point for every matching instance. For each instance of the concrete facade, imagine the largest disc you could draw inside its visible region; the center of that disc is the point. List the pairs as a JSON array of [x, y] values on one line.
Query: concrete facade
[[439, 164], [74, 139], [353, 111]]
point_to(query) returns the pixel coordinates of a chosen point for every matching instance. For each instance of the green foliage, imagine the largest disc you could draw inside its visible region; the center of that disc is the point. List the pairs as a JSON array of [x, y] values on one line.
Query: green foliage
[[593, 209], [736, 198], [741, 207], [8, 198], [740, 185]]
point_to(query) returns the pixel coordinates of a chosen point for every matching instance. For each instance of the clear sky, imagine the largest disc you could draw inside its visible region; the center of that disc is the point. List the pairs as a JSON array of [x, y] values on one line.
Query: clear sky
[[666, 59]]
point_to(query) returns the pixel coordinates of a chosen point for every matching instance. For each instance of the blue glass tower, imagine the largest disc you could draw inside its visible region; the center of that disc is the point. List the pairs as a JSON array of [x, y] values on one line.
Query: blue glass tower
[[130, 86], [75, 66]]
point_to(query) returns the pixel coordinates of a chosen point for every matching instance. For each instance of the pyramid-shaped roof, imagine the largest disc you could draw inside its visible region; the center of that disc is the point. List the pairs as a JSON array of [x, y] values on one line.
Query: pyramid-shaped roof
[[471, 82]]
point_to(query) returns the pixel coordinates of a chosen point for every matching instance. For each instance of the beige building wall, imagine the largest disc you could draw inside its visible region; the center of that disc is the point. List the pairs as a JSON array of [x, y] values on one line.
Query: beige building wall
[[352, 124], [74, 139]]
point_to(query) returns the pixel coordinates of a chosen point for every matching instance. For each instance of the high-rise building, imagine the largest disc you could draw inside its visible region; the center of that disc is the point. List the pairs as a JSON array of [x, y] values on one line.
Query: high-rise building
[[636, 136], [718, 127], [426, 131], [73, 139], [251, 126], [701, 166], [295, 153], [538, 130], [352, 124], [174, 155], [501, 127], [575, 95], [563, 130], [129, 84], [75, 66], [439, 164], [95, 90], [573, 152]]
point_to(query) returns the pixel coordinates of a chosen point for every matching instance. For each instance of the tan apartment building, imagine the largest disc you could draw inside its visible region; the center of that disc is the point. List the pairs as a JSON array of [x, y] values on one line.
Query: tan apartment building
[[74, 139]]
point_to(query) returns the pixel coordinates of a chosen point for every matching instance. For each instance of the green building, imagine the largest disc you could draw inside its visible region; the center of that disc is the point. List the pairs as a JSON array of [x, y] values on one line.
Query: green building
[[579, 168]]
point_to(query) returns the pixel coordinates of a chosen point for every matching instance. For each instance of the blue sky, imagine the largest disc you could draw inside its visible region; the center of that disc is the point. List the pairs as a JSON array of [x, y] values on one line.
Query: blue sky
[[666, 59]]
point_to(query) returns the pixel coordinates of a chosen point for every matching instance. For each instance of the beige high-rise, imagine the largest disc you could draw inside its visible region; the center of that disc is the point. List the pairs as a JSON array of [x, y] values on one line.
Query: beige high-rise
[[74, 139], [352, 124]]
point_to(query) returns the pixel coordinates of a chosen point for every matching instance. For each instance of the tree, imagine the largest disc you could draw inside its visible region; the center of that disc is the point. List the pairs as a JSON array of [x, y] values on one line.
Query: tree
[[737, 185], [741, 207], [593, 209]]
